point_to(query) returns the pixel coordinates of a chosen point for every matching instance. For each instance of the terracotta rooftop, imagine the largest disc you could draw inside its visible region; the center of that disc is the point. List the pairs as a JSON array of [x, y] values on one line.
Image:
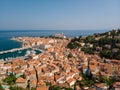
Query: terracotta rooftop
[[20, 80], [42, 88]]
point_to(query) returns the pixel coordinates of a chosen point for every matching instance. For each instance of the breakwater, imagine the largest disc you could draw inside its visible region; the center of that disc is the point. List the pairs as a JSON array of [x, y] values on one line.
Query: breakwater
[[13, 50]]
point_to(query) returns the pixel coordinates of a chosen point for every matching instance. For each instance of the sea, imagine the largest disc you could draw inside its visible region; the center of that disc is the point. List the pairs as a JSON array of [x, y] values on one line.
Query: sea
[[6, 43]]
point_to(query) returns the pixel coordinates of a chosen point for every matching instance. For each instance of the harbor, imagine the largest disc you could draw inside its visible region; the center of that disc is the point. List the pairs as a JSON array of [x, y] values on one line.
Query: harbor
[[24, 53]]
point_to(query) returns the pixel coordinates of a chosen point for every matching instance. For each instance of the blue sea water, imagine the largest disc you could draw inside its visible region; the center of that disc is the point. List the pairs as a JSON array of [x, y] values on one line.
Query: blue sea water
[[7, 44]]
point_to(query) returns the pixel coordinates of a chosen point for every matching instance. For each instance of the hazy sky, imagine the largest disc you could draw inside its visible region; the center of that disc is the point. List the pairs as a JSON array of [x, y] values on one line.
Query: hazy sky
[[59, 14]]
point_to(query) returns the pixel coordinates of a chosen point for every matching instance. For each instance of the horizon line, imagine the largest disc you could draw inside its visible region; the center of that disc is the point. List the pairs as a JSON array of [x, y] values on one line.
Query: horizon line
[[52, 29]]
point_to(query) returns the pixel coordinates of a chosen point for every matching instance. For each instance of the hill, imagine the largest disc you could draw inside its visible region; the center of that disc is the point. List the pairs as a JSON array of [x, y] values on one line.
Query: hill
[[106, 45]]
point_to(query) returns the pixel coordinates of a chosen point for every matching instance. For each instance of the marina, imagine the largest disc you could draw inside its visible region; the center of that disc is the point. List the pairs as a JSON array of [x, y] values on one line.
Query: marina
[[21, 52]]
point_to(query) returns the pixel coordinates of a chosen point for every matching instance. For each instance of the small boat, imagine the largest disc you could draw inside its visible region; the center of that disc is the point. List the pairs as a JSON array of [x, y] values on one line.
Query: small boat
[[27, 53], [19, 51], [33, 52]]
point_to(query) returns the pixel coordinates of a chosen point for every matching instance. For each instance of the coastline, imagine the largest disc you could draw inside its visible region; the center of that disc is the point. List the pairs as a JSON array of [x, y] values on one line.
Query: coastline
[[58, 61], [6, 43], [20, 42]]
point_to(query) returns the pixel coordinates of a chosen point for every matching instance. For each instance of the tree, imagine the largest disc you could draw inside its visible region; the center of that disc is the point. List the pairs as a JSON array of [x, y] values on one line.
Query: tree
[[108, 81], [48, 83], [16, 88], [10, 79], [117, 55], [70, 55], [33, 88], [73, 45], [1, 87], [54, 88], [106, 53], [88, 50], [65, 88], [85, 81]]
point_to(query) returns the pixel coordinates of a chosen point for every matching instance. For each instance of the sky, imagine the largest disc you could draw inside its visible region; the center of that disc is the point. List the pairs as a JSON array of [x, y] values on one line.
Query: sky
[[59, 14]]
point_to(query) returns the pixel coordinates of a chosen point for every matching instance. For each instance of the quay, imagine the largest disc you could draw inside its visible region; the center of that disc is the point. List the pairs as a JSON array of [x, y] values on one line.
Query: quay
[[13, 50]]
